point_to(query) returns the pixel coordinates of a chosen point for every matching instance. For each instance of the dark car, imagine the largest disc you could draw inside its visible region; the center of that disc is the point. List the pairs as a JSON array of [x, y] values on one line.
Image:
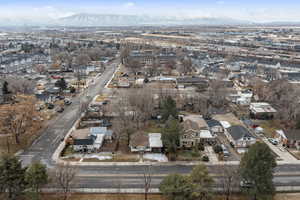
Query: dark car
[[67, 102], [60, 97], [50, 106], [60, 110], [246, 184]]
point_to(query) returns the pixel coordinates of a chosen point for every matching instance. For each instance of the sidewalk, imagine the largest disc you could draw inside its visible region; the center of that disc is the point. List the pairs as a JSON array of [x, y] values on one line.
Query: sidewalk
[[283, 154]]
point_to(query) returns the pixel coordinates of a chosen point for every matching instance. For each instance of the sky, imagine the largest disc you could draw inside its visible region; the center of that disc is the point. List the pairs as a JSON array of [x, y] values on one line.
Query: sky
[[252, 10]]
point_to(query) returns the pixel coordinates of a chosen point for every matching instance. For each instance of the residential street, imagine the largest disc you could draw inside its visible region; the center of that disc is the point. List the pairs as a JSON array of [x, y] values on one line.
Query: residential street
[[43, 148]]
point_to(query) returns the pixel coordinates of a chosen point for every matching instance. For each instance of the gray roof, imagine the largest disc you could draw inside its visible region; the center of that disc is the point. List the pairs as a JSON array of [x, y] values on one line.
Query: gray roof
[[211, 123], [238, 132], [88, 141], [101, 130], [193, 80]]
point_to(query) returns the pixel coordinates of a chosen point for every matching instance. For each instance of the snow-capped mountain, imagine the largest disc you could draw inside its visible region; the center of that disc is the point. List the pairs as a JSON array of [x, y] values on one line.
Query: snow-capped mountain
[[131, 20]]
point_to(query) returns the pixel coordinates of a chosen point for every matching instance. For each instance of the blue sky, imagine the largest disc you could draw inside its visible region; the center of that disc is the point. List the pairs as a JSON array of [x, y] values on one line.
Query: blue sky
[[254, 10]]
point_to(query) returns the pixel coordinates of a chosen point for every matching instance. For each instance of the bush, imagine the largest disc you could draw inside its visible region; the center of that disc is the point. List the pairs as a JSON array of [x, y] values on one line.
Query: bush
[[218, 149], [201, 147], [205, 158]]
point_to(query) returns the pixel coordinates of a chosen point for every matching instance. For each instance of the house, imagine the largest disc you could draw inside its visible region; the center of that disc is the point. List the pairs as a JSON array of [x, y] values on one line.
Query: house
[[183, 82], [82, 141], [215, 126], [143, 142], [280, 137], [240, 137], [84, 145], [293, 138], [123, 83], [90, 139], [108, 134], [155, 142], [195, 131], [262, 111], [139, 142], [241, 98]]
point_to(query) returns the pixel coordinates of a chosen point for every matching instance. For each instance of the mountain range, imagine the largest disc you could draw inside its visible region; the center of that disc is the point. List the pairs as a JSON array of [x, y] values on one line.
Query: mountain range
[[83, 20]]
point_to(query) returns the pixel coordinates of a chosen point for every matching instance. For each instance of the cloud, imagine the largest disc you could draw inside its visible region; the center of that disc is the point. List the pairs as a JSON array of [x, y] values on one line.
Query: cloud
[[129, 4]]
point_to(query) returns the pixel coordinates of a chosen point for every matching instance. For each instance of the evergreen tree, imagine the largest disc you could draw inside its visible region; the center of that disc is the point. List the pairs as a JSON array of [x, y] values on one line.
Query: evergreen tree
[[196, 185], [257, 168], [62, 84], [169, 108], [5, 88], [12, 177], [36, 176], [176, 187], [171, 136]]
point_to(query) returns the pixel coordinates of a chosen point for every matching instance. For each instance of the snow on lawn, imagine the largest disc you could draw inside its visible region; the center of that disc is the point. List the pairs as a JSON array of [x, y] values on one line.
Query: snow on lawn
[[99, 157], [156, 156]]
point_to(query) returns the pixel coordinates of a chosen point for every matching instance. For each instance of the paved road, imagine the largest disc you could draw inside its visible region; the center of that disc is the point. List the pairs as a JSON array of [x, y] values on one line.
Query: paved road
[[138, 181], [117, 176], [44, 147]]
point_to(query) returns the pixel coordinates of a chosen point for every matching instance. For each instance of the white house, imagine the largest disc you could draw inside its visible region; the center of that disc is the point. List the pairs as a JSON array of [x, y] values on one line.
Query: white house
[[240, 137], [143, 142]]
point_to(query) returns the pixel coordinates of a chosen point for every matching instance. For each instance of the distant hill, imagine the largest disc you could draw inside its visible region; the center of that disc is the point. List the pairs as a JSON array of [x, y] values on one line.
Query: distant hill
[[85, 19], [131, 20]]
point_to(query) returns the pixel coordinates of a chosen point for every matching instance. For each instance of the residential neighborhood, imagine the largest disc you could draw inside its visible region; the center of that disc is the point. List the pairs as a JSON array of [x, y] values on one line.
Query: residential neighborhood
[[171, 107]]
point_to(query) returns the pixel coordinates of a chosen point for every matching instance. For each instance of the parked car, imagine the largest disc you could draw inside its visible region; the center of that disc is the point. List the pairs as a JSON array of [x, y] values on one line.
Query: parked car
[[225, 151], [106, 123], [93, 109], [60, 109], [50, 106], [60, 97], [67, 102], [273, 141], [246, 184]]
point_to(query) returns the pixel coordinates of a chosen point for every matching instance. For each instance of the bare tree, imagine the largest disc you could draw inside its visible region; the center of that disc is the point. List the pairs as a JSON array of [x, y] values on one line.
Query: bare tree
[[81, 61], [19, 85], [229, 181], [124, 54], [147, 181], [142, 107], [186, 66], [39, 68], [217, 93], [133, 65], [64, 176], [21, 118]]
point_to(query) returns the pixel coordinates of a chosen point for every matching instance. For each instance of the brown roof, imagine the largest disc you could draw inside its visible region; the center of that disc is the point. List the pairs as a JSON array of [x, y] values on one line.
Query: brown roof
[[139, 139], [81, 133], [194, 122], [190, 125]]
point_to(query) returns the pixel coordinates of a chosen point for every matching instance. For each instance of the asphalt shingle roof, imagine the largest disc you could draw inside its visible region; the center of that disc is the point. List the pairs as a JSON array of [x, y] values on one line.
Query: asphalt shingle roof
[[238, 132]]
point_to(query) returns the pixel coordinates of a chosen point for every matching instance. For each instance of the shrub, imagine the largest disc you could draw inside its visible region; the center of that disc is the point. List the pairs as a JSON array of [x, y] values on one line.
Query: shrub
[[201, 147], [218, 149], [205, 158]]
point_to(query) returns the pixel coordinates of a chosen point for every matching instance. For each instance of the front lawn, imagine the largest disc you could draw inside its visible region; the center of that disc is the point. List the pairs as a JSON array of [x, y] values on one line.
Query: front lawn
[[189, 155]]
